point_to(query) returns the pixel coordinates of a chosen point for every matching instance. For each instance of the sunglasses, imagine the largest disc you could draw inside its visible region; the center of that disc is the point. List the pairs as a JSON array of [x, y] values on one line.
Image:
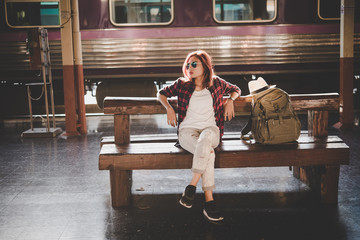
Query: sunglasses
[[193, 64]]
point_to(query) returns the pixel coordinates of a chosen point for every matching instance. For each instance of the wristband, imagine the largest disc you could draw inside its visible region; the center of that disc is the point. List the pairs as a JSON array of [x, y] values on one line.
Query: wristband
[[232, 98]]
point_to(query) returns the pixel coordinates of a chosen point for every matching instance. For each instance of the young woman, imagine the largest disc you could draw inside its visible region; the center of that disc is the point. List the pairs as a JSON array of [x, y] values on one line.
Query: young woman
[[201, 114]]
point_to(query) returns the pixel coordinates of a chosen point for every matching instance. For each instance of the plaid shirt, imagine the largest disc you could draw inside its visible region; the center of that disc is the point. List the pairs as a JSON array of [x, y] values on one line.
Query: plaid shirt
[[184, 90]]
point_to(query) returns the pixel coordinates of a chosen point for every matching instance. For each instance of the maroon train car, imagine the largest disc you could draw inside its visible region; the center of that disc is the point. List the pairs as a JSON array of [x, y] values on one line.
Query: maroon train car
[[129, 47]]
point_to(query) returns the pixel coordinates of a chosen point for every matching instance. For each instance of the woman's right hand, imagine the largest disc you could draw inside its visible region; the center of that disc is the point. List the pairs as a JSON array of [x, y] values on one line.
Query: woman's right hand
[[171, 117]]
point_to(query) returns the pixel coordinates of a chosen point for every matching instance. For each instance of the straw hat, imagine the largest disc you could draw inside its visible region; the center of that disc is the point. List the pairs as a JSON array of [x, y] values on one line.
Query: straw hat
[[258, 85]]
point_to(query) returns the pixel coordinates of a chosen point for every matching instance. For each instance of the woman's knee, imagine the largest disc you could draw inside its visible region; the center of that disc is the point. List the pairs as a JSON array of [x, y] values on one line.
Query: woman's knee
[[206, 136], [188, 139], [209, 137]]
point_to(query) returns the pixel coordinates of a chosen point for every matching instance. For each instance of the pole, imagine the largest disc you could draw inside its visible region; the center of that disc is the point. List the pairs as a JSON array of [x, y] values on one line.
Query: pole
[[79, 73], [346, 63], [48, 67], [72, 75]]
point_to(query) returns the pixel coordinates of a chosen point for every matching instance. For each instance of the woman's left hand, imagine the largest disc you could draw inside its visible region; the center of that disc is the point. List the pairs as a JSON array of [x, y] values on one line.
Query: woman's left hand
[[229, 112]]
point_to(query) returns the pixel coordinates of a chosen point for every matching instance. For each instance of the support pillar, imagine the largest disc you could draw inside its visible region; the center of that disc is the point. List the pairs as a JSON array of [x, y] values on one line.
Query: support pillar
[[346, 64], [79, 73], [75, 121]]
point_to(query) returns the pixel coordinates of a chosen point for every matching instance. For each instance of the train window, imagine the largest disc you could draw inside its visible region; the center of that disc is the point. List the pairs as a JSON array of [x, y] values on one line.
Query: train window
[[32, 13], [234, 11], [330, 9], [141, 12]]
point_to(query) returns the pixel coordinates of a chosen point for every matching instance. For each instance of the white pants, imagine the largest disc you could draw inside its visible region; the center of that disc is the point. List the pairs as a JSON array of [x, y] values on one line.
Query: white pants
[[201, 144]]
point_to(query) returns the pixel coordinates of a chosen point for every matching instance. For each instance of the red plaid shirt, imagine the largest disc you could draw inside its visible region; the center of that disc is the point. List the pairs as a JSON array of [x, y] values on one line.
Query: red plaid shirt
[[184, 89]]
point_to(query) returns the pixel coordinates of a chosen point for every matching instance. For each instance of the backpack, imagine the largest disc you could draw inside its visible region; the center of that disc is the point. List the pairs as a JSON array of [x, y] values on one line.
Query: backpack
[[273, 119]]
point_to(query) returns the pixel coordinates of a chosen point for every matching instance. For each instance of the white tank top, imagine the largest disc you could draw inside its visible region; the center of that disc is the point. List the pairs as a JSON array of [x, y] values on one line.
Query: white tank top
[[200, 113]]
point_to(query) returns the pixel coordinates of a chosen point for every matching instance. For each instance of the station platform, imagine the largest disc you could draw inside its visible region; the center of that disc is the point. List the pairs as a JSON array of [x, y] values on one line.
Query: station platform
[[51, 188]]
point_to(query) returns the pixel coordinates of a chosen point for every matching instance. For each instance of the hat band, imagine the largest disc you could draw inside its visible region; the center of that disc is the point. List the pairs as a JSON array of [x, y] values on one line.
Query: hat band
[[260, 89]]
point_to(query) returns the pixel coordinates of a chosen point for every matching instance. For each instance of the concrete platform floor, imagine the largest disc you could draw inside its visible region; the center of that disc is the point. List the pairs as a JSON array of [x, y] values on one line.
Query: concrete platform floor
[[51, 188]]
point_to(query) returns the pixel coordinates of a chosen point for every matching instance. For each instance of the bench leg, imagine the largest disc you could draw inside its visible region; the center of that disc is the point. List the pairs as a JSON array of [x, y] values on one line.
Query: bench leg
[[120, 183], [296, 171], [329, 185], [323, 180]]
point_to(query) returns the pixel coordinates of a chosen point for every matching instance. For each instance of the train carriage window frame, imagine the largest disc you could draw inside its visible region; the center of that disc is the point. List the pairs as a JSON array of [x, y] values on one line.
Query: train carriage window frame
[[241, 5], [337, 18], [135, 5], [49, 12], [319, 12]]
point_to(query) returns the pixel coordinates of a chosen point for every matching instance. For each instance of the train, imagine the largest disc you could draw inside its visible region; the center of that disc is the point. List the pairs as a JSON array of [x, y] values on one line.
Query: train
[[133, 47]]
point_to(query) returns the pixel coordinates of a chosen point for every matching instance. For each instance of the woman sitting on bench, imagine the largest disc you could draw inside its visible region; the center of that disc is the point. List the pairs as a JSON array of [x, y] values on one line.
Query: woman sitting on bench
[[201, 115]]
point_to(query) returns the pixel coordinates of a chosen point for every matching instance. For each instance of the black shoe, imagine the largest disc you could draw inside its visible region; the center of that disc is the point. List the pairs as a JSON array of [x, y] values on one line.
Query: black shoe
[[211, 212], [188, 196]]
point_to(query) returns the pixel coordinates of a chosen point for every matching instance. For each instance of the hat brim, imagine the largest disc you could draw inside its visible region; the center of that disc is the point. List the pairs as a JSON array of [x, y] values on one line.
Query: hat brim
[[261, 89]]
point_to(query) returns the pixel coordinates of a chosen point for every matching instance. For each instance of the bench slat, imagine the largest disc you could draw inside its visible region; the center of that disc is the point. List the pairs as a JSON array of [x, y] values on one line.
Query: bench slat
[[233, 153], [304, 138]]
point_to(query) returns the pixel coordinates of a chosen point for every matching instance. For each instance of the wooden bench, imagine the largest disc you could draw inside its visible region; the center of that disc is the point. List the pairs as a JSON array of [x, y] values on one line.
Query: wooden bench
[[316, 157]]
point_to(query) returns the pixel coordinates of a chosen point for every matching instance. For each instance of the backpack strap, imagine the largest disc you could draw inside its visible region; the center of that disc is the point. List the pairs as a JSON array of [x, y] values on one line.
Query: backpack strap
[[247, 128]]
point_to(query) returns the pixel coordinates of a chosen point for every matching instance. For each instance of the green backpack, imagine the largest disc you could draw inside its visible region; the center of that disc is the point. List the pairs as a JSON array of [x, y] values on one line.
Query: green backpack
[[273, 119]]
